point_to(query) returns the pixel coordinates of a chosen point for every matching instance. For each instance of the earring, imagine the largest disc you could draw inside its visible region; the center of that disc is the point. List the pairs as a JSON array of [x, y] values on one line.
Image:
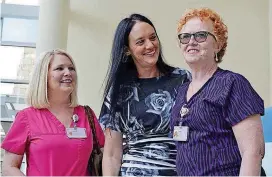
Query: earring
[[216, 57]]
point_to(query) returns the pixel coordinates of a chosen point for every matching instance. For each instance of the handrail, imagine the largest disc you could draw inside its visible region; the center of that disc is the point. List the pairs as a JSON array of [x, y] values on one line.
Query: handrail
[[7, 119], [13, 81]]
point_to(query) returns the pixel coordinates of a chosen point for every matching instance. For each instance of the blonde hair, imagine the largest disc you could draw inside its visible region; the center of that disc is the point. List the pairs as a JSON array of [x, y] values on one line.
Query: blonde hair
[[220, 29], [37, 94]]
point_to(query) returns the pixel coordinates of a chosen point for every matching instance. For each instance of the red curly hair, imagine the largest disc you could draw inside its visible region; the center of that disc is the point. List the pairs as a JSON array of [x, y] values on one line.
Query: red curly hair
[[220, 29]]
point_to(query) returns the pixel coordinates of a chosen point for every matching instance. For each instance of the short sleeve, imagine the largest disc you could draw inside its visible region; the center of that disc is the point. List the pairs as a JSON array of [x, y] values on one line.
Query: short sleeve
[[242, 100], [107, 121], [17, 136]]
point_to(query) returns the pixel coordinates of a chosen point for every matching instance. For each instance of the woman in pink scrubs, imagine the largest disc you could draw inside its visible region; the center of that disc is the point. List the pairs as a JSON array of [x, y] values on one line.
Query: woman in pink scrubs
[[53, 132]]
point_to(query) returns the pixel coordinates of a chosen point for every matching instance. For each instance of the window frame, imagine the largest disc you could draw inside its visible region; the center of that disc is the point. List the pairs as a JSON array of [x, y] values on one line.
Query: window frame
[[19, 12]]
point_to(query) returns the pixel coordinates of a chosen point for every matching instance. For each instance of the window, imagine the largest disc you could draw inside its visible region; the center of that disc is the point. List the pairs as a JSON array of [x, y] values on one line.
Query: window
[[18, 25], [18, 31], [26, 36], [16, 64]]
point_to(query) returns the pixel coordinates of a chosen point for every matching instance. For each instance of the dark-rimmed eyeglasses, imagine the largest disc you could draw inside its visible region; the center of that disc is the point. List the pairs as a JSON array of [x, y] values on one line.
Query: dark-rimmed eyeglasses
[[200, 36]]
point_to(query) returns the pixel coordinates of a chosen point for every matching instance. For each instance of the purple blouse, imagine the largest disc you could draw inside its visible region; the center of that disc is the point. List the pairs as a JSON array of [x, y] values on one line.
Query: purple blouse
[[223, 101]]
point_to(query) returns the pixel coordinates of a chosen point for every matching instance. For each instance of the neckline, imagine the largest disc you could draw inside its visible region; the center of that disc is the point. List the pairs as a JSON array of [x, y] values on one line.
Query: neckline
[[203, 86], [57, 121], [150, 79]]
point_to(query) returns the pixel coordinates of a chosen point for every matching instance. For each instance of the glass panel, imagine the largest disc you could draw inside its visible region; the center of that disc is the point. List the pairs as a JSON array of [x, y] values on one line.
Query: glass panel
[[16, 63], [6, 89], [12, 100], [13, 89], [26, 34], [23, 2]]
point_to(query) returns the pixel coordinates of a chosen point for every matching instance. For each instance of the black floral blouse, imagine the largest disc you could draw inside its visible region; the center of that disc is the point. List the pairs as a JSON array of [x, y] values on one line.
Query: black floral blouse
[[143, 117]]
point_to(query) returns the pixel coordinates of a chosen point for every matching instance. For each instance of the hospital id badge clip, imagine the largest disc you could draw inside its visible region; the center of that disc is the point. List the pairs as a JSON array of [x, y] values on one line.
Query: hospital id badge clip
[[76, 132], [181, 132]]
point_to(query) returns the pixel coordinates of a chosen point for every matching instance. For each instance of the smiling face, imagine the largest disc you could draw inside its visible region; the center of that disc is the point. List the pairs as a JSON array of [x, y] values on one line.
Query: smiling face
[[199, 51], [143, 45], [61, 75]]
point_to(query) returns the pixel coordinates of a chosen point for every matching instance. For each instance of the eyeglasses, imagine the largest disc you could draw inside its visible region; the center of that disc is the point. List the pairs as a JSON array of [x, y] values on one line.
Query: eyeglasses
[[200, 36]]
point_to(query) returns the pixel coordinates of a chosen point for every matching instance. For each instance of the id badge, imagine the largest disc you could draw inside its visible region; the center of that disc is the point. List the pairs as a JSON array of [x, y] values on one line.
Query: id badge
[[180, 133], [76, 132]]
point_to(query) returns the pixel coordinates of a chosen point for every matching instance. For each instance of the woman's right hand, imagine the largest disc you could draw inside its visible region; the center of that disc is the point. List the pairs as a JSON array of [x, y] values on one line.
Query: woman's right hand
[[113, 151], [11, 164]]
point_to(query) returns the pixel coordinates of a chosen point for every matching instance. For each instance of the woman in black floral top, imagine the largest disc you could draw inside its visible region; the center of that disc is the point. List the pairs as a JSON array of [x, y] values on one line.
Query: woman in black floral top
[[139, 95]]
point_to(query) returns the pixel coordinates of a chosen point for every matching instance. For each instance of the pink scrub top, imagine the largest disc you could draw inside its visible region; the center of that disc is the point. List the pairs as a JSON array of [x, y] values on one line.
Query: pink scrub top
[[49, 152]]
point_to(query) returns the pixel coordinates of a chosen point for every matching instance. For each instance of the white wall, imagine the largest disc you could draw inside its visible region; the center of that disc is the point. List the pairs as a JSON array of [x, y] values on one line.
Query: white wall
[[92, 25]]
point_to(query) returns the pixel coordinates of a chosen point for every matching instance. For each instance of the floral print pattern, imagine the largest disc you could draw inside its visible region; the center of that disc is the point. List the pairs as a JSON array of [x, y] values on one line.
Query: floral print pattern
[[143, 119]]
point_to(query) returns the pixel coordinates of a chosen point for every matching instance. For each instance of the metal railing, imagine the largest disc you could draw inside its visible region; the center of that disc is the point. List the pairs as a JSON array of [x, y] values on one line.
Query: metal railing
[[13, 81]]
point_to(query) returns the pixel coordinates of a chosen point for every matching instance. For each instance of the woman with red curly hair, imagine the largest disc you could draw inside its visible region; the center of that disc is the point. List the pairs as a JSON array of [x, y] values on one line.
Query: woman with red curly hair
[[216, 118]]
